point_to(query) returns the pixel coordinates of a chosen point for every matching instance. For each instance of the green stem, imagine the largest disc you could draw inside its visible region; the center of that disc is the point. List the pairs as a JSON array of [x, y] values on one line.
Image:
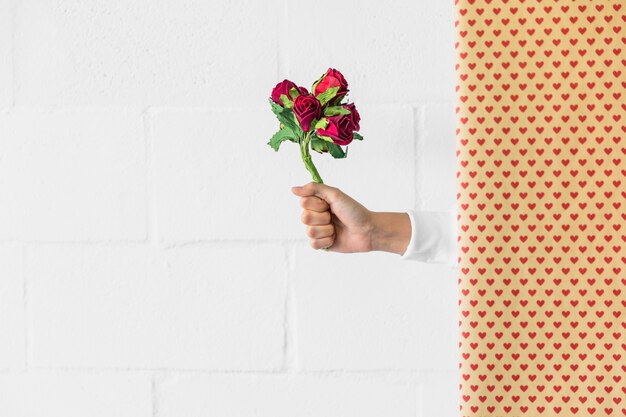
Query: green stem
[[306, 158]]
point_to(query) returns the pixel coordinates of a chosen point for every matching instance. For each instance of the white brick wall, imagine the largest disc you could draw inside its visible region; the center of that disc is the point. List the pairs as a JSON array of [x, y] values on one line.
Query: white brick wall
[[72, 175], [130, 52], [71, 394], [370, 312], [288, 395], [121, 306], [12, 304], [6, 55], [152, 258]]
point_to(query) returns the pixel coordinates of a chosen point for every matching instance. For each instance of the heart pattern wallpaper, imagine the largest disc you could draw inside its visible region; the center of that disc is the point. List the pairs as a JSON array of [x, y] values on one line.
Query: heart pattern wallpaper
[[541, 182]]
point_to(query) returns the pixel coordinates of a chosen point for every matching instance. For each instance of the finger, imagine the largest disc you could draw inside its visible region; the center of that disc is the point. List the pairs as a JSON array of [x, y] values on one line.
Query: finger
[[299, 190], [323, 243], [319, 232], [323, 191], [315, 218], [314, 203]]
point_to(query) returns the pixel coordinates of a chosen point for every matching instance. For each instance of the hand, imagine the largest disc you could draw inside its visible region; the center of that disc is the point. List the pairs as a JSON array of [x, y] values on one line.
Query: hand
[[335, 220]]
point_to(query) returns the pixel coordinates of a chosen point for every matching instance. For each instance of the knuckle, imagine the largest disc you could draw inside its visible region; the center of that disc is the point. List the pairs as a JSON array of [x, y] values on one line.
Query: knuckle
[[317, 243], [310, 231], [305, 217]]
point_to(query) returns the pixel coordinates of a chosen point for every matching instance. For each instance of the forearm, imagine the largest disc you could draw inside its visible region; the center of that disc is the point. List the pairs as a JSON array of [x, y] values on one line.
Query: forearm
[[391, 232]]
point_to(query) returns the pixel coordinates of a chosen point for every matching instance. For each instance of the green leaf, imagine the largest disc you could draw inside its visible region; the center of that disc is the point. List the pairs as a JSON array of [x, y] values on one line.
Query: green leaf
[[335, 110], [316, 135], [336, 101], [286, 117], [317, 82], [319, 145], [321, 123], [327, 95], [294, 93], [356, 136], [280, 136], [325, 138], [286, 102], [276, 108], [336, 151]]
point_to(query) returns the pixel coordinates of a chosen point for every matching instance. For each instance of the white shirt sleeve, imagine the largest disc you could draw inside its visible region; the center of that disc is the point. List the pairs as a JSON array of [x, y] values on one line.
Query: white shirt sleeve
[[433, 237]]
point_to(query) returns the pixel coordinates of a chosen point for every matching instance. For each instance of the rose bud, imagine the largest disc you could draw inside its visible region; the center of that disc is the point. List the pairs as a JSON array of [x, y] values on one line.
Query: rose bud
[[339, 129], [306, 108], [332, 78], [356, 117], [289, 89]]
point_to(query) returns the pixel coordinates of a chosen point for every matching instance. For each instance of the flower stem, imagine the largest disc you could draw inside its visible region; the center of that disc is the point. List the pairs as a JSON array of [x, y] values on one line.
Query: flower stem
[[306, 158]]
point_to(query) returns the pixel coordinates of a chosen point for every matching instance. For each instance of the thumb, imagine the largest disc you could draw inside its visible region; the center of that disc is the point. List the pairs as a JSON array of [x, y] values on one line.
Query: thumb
[[323, 191]]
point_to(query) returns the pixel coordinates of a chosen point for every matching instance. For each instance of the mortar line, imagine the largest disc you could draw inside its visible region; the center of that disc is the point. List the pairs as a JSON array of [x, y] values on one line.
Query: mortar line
[[25, 306], [154, 396], [165, 245], [196, 108], [164, 372], [13, 49], [281, 48], [290, 345], [414, 114], [285, 54], [418, 138], [419, 406], [150, 197], [421, 143]]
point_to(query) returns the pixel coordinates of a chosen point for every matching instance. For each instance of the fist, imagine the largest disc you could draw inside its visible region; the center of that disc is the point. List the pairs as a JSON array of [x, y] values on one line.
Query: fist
[[335, 221], [316, 215]]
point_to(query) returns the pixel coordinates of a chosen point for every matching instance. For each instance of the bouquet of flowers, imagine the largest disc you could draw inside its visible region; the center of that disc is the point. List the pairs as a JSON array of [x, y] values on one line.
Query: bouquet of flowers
[[318, 118]]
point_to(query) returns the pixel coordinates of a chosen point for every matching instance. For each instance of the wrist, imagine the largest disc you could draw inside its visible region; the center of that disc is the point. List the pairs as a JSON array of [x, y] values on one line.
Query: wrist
[[391, 232]]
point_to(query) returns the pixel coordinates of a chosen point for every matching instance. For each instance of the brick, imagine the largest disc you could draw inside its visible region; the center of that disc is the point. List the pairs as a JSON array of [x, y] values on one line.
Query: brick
[[72, 175], [215, 180], [12, 348], [437, 159], [373, 312], [285, 395], [403, 54], [43, 394], [6, 55], [195, 307], [139, 52]]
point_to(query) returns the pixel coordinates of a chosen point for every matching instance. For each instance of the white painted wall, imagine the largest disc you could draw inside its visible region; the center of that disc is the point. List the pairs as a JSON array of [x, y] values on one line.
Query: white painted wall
[[152, 259]]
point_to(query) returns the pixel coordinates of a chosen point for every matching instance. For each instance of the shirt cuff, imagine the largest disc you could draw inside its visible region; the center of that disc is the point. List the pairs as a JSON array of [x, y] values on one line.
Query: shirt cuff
[[433, 237]]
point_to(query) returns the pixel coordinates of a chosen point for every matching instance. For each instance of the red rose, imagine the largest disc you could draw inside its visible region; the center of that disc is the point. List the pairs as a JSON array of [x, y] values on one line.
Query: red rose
[[356, 117], [285, 87], [339, 129], [332, 78], [306, 108]]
